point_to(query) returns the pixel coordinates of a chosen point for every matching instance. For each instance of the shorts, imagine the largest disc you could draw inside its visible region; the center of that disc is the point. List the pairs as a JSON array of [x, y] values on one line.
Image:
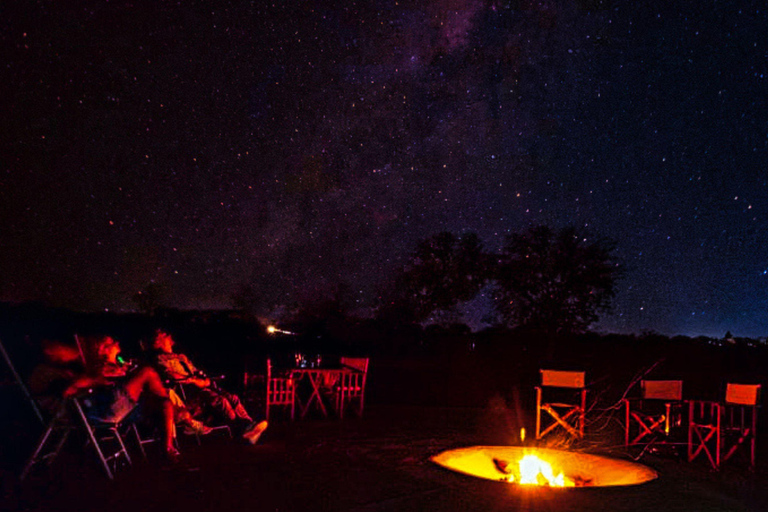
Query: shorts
[[109, 405]]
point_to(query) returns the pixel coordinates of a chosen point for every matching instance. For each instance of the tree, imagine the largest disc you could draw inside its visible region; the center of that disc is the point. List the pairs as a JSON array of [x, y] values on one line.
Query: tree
[[443, 271], [555, 281]]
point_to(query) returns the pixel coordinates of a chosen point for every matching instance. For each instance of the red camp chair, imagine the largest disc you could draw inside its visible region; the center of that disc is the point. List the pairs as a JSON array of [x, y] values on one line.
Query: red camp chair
[[351, 385], [651, 418], [568, 415], [281, 392], [718, 429]]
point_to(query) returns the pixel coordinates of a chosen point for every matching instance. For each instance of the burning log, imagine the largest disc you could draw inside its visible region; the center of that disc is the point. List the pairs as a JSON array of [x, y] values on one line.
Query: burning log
[[502, 466]]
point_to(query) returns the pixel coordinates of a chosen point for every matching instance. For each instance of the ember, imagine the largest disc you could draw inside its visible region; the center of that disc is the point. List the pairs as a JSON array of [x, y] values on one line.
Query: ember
[[543, 467]]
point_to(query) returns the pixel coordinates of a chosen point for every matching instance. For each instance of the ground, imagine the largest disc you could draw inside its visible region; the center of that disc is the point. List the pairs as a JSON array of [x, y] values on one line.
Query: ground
[[377, 463]]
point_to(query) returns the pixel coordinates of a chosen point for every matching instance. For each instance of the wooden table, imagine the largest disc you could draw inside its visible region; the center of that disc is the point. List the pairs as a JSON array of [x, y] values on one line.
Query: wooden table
[[318, 378]]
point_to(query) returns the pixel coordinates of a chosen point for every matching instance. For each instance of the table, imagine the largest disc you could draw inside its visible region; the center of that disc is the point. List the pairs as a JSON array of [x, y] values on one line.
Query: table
[[318, 378]]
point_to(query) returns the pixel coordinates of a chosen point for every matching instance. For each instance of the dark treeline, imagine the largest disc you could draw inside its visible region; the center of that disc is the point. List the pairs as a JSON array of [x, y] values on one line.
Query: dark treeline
[[444, 366], [231, 342]]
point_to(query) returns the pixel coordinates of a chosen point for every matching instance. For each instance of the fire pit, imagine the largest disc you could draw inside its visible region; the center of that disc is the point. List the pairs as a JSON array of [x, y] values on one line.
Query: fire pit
[[543, 466]]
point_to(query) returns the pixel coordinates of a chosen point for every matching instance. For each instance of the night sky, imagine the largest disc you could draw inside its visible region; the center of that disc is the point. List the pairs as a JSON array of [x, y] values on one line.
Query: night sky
[[300, 146]]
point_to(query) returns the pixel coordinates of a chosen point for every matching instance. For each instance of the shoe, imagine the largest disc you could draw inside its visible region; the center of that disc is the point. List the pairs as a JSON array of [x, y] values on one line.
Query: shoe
[[253, 434], [203, 429], [197, 428]]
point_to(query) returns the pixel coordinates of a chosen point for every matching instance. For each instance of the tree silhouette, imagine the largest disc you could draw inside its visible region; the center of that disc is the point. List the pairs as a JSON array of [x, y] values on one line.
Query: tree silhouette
[[554, 281], [443, 271]]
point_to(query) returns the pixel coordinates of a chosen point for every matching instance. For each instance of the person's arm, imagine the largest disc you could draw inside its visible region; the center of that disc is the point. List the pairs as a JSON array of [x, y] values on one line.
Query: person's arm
[[110, 370], [81, 383], [193, 378], [178, 369]]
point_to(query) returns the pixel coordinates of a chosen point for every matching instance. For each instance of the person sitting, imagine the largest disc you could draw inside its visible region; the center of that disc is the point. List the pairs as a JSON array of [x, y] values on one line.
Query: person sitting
[[210, 400], [60, 366], [117, 388]]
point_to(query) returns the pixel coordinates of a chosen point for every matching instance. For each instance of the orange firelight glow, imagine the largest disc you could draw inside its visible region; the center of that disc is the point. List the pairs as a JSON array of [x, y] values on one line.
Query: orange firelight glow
[[529, 466]]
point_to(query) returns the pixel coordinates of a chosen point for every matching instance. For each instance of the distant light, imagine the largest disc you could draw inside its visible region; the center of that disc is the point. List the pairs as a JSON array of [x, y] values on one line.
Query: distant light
[[271, 329]]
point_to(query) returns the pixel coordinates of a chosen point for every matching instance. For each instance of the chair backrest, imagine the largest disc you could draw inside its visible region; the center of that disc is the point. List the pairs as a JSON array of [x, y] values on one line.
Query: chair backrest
[[662, 389], [562, 379], [356, 363], [742, 394], [280, 391]]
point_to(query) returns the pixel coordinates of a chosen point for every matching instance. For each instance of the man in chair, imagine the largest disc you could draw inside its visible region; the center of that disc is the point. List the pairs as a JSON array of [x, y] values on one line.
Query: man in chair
[[204, 394]]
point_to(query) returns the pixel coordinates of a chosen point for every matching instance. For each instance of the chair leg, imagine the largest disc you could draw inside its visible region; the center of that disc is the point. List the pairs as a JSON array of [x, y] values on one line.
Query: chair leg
[[93, 440], [140, 442], [538, 413], [36, 457], [626, 422]]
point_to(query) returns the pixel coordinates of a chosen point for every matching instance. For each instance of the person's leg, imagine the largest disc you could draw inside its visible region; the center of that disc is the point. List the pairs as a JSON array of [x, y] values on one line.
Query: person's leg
[[236, 406], [145, 379], [216, 402], [168, 425]]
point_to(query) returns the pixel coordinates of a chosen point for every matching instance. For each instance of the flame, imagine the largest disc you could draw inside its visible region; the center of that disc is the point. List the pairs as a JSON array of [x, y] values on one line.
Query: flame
[[534, 470]]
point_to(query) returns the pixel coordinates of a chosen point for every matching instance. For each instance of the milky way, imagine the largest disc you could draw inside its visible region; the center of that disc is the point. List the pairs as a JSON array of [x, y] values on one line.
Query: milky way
[[303, 146]]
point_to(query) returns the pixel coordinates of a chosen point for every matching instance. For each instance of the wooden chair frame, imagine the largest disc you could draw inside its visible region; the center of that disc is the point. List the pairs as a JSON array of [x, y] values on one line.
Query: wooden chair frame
[[569, 416], [281, 392], [655, 414], [351, 386], [718, 429]]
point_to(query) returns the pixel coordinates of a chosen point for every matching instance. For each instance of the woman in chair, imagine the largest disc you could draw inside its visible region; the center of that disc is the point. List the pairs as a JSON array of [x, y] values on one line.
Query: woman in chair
[[117, 388], [211, 400]]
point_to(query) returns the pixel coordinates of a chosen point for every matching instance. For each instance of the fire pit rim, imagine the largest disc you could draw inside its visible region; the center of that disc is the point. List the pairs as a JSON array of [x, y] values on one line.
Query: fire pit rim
[[648, 474]]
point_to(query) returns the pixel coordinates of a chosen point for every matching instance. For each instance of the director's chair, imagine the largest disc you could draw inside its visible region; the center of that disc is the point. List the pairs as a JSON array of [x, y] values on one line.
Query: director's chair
[[281, 392], [566, 415], [351, 385], [718, 429], [651, 418]]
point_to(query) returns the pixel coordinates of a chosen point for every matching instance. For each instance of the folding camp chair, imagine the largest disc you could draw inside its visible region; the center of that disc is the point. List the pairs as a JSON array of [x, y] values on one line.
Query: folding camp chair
[[106, 438], [655, 415], [52, 441], [281, 392], [718, 429], [351, 385], [182, 392], [568, 415], [67, 417]]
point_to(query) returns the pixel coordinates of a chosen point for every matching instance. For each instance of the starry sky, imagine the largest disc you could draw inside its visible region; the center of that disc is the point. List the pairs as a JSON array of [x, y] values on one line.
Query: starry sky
[[302, 146]]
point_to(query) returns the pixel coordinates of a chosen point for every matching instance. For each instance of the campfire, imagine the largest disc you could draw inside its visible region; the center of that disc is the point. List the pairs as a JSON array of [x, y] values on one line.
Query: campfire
[[532, 470], [543, 467]]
